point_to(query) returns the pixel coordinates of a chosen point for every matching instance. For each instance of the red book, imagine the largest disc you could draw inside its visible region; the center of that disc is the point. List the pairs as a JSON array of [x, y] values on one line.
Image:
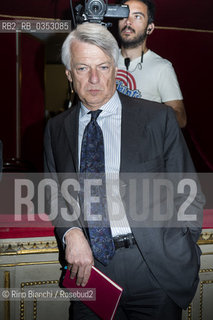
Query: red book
[[107, 293]]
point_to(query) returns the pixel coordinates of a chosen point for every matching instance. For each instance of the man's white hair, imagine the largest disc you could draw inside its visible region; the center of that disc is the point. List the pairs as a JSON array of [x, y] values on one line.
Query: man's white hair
[[92, 33]]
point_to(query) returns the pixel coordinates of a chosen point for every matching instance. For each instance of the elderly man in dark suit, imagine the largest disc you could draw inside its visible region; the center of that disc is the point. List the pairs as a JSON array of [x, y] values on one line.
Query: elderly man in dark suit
[[156, 265]]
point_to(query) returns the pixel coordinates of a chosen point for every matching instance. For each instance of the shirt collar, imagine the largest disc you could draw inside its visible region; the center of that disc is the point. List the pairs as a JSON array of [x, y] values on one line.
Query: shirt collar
[[108, 108]]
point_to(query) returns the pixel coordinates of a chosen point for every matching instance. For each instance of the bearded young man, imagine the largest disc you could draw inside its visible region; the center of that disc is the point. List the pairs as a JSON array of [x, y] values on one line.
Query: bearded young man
[[141, 72]]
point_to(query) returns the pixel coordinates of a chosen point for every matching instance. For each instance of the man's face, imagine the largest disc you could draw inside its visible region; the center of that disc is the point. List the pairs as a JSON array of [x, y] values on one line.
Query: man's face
[[133, 30], [93, 74]]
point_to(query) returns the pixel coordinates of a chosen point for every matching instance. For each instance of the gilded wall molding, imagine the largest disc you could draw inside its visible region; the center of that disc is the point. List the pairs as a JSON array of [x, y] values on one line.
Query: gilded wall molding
[[7, 301], [206, 237], [206, 270], [20, 264], [30, 284], [30, 247], [37, 247], [190, 312], [202, 283]]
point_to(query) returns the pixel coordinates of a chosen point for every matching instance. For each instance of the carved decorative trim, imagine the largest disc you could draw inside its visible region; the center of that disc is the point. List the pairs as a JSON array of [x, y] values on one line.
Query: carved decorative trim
[[37, 247], [28, 284], [19, 264], [18, 248], [7, 302], [202, 282], [207, 253], [206, 270], [206, 238], [201, 294], [190, 312]]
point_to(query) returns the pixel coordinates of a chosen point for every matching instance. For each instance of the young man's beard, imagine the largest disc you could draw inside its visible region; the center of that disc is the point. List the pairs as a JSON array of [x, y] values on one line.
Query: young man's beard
[[134, 43]]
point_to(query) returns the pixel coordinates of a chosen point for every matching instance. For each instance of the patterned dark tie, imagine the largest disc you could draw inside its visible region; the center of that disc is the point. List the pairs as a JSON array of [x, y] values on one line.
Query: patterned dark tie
[[93, 166]]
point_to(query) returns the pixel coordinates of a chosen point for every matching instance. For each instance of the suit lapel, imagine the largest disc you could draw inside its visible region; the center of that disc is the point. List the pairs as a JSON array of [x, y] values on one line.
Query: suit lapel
[[71, 124]]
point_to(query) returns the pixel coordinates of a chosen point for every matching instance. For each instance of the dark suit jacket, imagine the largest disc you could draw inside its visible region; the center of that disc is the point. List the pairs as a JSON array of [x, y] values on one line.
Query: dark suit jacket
[[151, 141]]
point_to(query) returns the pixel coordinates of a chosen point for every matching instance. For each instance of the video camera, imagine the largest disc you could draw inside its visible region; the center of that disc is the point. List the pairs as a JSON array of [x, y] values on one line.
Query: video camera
[[97, 10]]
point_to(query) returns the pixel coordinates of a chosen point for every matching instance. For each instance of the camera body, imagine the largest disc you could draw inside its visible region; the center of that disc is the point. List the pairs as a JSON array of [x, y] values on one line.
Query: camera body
[[97, 10]]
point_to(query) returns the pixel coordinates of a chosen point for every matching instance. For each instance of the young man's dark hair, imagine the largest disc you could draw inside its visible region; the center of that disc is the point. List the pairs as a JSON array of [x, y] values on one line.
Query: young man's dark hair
[[151, 9]]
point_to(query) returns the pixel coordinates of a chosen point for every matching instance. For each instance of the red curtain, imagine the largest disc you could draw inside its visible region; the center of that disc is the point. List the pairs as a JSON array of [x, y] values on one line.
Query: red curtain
[[31, 99], [191, 54]]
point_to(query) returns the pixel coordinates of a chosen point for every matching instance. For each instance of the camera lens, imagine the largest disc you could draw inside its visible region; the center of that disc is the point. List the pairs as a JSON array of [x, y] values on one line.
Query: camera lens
[[96, 8]]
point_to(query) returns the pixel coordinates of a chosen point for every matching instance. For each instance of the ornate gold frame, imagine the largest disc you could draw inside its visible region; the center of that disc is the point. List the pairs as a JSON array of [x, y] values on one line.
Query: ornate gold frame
[[33, 247]]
